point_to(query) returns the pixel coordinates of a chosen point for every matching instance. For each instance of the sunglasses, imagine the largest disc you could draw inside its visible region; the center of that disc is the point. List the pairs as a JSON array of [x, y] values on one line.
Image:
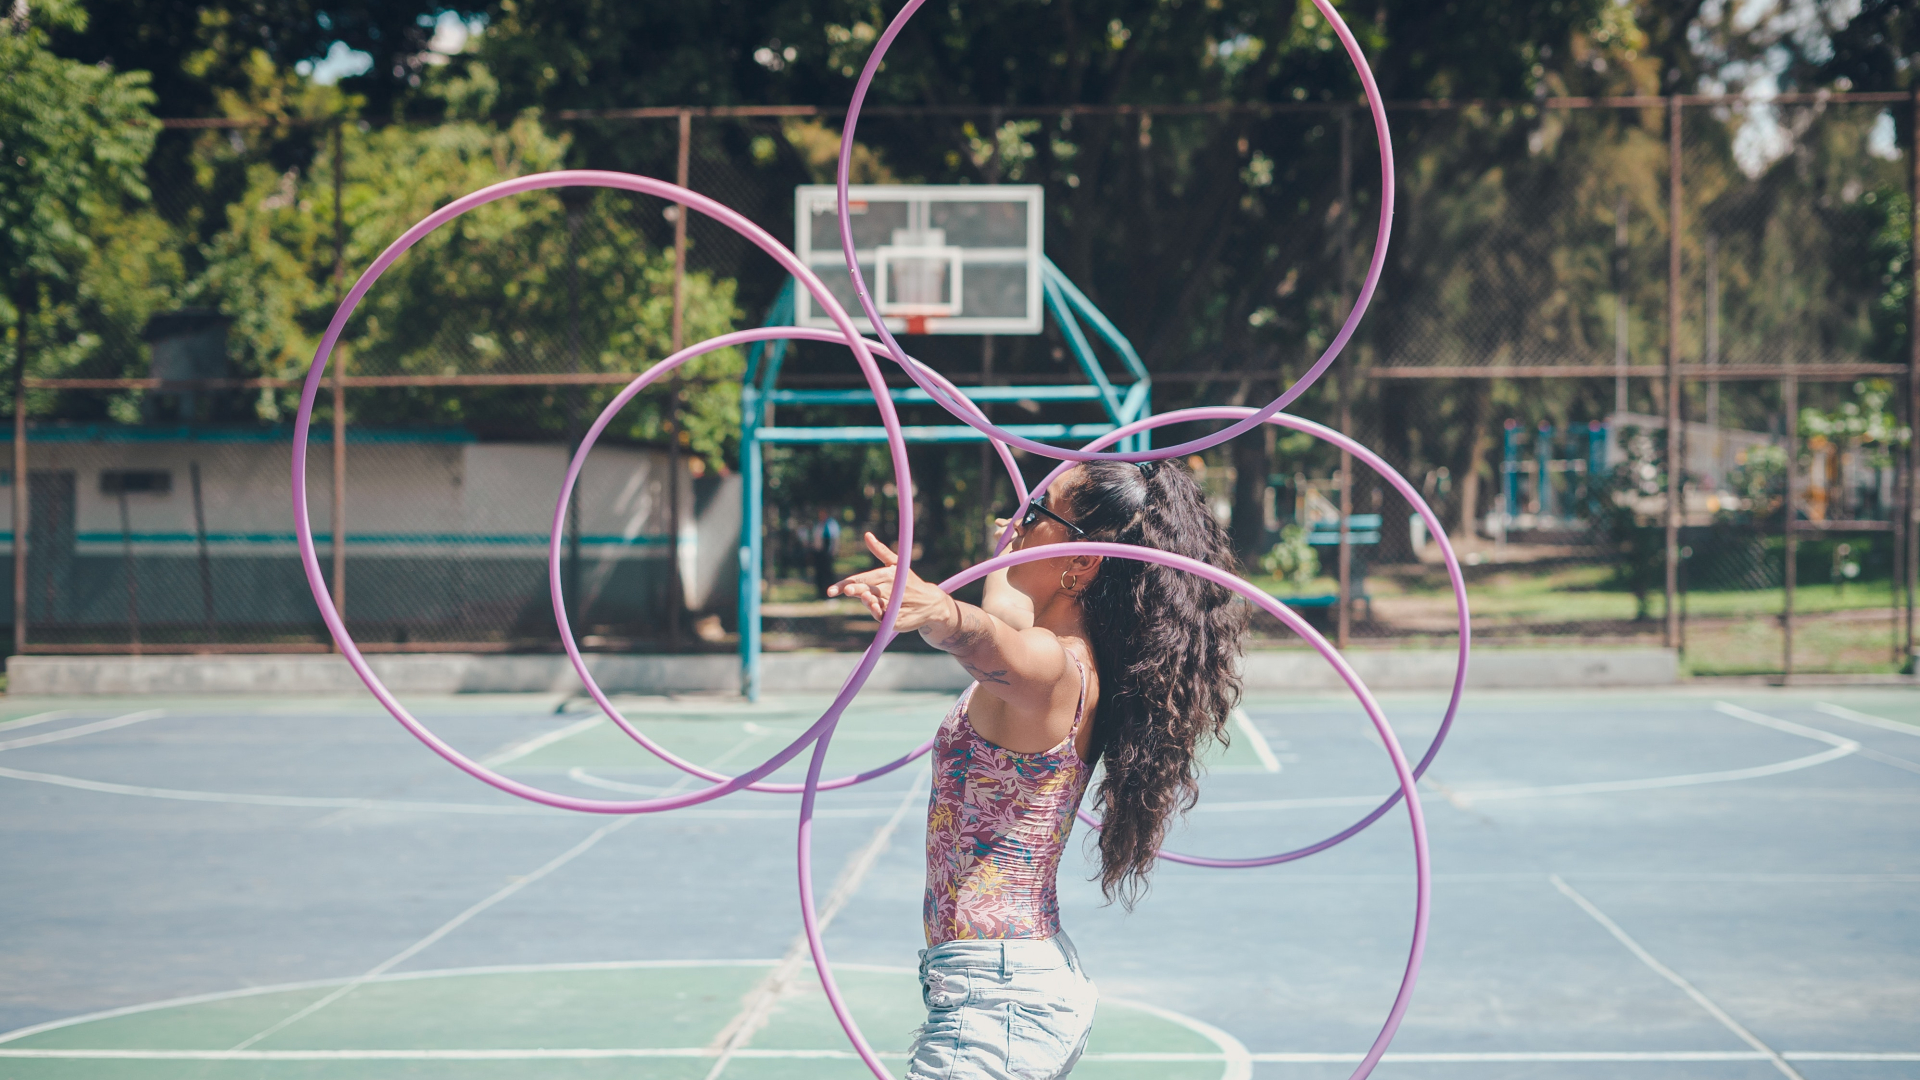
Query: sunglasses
[[1037, 507]]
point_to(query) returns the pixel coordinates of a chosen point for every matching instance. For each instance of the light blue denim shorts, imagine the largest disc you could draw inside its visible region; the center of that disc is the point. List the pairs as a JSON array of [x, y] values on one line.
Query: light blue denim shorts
[[1002, 1010]]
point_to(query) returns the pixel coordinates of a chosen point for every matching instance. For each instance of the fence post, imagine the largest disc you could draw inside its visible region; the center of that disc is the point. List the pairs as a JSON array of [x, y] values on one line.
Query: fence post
[[1344, 384], [676, 599], [1791, 394], [21, 501], [1912, 487], [339, 389], [1676, 464], [126, 561]]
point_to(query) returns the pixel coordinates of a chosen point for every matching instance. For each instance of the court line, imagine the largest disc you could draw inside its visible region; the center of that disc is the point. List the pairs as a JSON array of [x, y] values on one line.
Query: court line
[[464, 917], [442, 931], [36, 718], [332, 802], [1842, 747], [1261, 750], [1413, 1057], [1232, 1051], [390, 977], [84, 729], [244, 799], [759, 1003], [539, 742], [1738, 712], [1674, 977], [1233, 1060], [1868, 719]]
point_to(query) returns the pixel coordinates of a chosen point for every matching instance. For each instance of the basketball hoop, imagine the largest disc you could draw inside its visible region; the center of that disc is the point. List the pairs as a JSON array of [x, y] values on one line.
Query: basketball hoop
[[940, 259]]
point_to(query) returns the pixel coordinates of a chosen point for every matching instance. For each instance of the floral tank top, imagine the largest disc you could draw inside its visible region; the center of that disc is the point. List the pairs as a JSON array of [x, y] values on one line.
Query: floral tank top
[[997, 823]]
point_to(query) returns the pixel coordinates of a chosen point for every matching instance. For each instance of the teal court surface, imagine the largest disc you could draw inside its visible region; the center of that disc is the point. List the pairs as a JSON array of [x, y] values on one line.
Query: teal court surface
[[1696, 883]]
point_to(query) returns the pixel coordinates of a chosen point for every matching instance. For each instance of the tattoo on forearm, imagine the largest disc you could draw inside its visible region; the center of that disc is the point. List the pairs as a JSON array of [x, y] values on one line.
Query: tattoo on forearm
[[999, 676], [975, 627]]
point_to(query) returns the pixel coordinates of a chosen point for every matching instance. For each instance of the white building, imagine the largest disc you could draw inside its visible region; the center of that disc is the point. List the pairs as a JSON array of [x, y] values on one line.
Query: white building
[[165, 531]]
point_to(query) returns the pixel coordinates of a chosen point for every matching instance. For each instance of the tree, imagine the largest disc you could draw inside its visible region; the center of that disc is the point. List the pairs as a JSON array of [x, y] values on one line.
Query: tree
[[545, 282], [195, 49], [73, 138]]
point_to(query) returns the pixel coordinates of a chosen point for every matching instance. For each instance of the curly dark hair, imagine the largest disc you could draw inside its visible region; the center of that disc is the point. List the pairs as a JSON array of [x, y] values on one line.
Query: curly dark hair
[[1166, 644]]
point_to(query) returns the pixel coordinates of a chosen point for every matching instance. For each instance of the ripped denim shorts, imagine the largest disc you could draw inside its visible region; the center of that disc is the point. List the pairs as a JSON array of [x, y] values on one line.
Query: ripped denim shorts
[[1002, 1010]]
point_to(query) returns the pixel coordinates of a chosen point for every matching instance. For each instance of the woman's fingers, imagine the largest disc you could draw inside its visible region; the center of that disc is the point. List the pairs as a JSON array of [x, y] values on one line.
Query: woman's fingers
[[881, 551]]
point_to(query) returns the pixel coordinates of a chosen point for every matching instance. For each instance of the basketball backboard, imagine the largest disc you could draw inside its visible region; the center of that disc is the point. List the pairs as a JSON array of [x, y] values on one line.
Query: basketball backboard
[[939, 259]]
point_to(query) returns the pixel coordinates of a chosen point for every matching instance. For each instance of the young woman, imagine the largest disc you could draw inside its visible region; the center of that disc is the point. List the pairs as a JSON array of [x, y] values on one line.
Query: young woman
[[1075, 660]]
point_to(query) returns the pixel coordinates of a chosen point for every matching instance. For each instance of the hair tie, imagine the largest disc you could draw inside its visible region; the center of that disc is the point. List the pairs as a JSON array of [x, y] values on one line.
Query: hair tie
[[1147, 468]]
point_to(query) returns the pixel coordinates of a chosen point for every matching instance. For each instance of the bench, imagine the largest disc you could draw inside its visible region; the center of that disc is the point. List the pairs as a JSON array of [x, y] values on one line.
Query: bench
[[1363, 530]]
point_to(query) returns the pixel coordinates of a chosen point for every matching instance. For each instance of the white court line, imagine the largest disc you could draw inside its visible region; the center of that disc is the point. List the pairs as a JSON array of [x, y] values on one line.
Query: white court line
[[1231, 1059], [766, 995], [461, 919], [1244, 724], [523, 748], [36, 718], [83, 729], [444, 929], [1868, 719], [1232, 1051], [1674, 977], [882, 969], [332, 802], [1842, 747], [244, 799], [1788, 726]]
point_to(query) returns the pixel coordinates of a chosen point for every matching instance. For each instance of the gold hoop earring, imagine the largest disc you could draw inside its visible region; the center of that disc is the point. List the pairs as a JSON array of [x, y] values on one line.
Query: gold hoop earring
[[1068, 582]]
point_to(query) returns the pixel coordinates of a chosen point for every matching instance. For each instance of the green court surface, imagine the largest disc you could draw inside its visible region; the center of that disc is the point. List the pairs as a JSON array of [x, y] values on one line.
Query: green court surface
[[664, 1020]]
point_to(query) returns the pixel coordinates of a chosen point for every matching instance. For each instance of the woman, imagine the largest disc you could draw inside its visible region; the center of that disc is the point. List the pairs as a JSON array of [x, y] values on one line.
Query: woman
[[1076, 660]]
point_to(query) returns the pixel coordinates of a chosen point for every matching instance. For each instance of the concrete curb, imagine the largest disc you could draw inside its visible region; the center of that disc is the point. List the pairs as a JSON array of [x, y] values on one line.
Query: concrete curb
[[444, 673]]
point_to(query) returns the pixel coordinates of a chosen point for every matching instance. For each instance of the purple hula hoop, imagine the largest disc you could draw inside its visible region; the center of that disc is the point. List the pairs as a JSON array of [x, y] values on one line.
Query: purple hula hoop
[[1375, 105], [1454, 577], [310, 561], [1402, 771], [949, 397]]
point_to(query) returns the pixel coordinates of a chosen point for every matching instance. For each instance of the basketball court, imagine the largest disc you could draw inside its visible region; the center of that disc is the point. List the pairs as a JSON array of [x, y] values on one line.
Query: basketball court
[[1688, 884]]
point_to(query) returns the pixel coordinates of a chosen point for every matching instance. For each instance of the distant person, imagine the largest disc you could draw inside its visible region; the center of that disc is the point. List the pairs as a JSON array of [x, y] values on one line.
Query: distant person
[[1082, 660], [823, 543]]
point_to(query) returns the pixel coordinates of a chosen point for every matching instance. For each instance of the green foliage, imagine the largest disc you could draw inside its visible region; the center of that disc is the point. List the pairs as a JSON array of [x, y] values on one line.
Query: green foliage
[[544, 282], [1868, 422], [1760, 481], [1292, 559], [73, 138], [200, 50]]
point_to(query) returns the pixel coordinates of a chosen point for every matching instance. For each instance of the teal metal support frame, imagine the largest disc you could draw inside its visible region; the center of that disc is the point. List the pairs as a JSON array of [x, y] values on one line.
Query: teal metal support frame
[[759, 397]]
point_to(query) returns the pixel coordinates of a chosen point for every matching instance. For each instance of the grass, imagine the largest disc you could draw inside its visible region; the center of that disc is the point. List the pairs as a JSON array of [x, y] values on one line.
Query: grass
[[1838, 628]]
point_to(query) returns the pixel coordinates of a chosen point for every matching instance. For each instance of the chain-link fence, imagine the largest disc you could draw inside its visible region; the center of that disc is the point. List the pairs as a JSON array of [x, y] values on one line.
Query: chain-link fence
[[1544, 344]]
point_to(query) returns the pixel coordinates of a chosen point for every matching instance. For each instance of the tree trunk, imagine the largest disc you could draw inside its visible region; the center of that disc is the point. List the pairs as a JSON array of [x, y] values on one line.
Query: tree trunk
[[1467, 464]]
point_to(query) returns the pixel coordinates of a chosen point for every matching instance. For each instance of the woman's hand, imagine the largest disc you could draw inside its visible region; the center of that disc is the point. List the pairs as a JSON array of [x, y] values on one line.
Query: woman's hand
[[925, 605]]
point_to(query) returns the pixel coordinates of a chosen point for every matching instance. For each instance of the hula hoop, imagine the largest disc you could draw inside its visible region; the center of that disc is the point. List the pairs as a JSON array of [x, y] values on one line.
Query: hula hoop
[[1376, 106], [309, 557], [556, 538], [1422, 869], [1454, 575]]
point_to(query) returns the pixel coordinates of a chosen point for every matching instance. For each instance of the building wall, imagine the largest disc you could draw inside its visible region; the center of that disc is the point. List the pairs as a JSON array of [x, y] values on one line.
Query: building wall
[[446, 538]]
